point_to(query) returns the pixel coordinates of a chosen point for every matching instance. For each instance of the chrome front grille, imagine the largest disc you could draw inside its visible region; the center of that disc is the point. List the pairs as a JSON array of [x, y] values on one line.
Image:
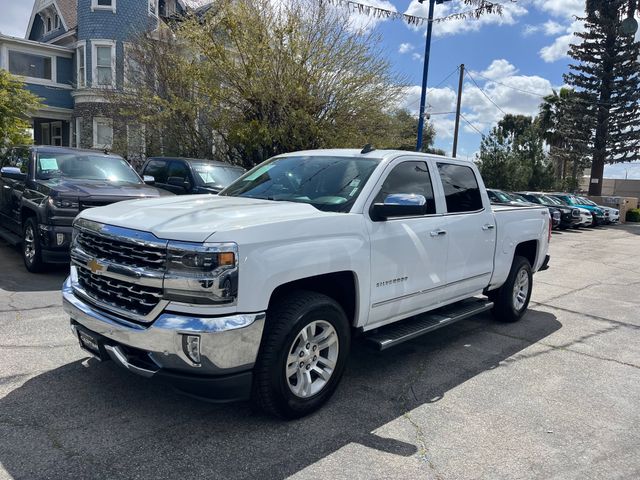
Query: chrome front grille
[[121, 252], [117, 294]]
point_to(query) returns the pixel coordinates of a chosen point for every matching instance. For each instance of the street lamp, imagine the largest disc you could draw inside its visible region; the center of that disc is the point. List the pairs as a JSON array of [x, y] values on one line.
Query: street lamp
[[425, 71]]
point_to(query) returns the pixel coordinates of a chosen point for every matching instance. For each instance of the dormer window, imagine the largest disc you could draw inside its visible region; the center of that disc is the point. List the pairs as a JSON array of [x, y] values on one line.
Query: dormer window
[[109, 5], [57, 22], [48, 29]]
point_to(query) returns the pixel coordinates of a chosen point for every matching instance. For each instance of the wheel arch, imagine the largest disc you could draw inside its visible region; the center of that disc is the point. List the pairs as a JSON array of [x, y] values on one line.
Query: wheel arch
[[340, 286]]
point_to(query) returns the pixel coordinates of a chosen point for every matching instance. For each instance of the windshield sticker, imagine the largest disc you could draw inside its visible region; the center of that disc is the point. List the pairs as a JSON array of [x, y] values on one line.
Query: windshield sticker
[[259, 172], [48, 164]]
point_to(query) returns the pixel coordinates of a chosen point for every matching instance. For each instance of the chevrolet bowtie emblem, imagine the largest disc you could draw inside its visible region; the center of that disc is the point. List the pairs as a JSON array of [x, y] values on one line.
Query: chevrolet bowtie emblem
[[95, 266]]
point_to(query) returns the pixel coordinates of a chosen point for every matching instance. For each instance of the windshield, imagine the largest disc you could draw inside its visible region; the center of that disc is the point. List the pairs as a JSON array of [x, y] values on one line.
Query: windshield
[[551, 200], [565, 200], [216, 175], [585, 201], [85, 166], [518, 198], [328, 183], [501, 196]]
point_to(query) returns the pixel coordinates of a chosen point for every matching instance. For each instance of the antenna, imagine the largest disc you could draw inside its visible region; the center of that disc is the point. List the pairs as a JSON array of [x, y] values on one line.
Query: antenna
[[368, 148]]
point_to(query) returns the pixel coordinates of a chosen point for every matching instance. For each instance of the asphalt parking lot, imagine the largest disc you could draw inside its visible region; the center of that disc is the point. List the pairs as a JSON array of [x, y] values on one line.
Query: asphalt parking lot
[[556, 395]]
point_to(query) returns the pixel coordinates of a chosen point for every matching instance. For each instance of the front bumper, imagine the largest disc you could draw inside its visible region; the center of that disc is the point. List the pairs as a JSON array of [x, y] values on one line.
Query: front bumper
[[228, 347], [55, 241]]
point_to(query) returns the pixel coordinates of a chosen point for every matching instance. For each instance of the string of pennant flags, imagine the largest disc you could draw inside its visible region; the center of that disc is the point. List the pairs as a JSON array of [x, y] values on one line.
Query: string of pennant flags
[[483, 6]]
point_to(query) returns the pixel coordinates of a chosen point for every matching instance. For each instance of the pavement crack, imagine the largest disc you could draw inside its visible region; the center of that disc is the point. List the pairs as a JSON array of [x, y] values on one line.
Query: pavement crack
[[588, 315]]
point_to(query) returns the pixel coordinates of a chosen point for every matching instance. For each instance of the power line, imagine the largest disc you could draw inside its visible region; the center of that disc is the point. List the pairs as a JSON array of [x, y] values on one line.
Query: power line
[[430, 89], [470, 124], [509, 86], [485, 93]]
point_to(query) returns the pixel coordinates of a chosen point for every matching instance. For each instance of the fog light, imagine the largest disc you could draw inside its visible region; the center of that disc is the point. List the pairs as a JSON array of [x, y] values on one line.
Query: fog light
[[59, 238], [191, 347]]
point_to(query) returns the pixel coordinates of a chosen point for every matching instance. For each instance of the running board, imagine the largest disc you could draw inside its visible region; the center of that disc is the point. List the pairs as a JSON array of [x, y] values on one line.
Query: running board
[[396, 333], [10, 237]]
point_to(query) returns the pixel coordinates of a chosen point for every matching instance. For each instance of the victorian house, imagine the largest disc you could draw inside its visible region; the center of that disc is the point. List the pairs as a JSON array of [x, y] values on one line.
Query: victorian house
[[72, 51]]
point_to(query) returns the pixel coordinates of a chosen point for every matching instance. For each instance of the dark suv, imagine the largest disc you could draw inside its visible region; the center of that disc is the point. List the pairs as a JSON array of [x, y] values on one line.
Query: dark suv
[[42, 189], [570, 216], [189, 175]]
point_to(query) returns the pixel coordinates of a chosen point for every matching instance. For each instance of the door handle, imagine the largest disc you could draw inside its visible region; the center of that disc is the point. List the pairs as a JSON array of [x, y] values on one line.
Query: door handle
[[436, 233], [488, 226]]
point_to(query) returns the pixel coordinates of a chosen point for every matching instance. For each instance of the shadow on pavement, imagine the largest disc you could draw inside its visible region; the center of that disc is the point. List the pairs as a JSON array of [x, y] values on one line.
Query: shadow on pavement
[[14, 277], [92, 420]]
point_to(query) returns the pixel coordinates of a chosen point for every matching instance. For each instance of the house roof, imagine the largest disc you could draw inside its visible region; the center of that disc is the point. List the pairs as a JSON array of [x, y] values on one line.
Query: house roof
[[69, 11]]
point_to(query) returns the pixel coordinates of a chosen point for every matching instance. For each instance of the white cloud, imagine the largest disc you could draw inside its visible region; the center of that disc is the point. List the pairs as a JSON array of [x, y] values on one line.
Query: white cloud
[[505, 87], [417, 56], [499, 69], [510, 14], [405, 48], [560, 47], [562, 8], [529, 30], [552, 28]]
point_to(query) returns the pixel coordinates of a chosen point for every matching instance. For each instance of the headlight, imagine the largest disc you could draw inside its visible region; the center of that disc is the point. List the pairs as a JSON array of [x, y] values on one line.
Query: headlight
[[201, 273], [64, 202]]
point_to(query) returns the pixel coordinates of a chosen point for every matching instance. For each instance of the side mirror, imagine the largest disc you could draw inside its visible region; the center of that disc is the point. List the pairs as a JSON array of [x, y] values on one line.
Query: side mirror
[[13, 173], [399, 205], [149, 180], [179, 182]]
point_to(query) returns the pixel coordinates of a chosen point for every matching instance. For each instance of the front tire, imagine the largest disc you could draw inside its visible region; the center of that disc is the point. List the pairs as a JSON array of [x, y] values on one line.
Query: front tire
[[303, 353], [31, 247], [512, 299]]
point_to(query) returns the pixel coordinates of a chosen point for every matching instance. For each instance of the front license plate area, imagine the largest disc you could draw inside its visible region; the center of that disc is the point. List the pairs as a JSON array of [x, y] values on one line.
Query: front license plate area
[[91, 344]]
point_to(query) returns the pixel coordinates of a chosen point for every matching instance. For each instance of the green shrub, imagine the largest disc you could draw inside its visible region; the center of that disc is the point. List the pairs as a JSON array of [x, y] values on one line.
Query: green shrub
[[633, 215]]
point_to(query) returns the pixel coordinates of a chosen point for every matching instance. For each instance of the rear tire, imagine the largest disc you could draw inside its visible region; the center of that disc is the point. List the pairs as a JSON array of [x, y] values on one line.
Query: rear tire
[[31, 247], [512, 299], [302, 356]]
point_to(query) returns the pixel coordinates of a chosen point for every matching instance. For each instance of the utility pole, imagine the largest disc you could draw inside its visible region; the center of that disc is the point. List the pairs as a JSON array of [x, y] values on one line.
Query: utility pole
[[457, 129], [425, 71]]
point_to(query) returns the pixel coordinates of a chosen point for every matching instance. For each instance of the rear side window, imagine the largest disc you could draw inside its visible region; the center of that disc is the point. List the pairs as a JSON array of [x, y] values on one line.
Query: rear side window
[[409, 178], [179, 170], [157, 169], [461, 189]]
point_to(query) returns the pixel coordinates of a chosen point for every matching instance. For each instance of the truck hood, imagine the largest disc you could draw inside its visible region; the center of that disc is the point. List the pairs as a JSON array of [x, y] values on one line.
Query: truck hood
[[194, 218], [100, 188]]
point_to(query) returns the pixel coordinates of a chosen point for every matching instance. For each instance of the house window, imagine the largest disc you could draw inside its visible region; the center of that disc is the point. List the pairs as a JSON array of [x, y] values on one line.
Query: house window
[[153, 7], [57, 21], [169, 8], [103, 5], [45, 134], [104, 63], [56, 134], [48, 29], [30, 65], [102, 133], [81, 60]]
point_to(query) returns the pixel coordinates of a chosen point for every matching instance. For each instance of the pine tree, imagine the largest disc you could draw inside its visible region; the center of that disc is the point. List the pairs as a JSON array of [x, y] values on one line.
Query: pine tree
[[607, 83]]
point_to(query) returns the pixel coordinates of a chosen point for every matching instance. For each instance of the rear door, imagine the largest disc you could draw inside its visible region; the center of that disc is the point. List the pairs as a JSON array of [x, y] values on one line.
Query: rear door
[[471, 230], [13, 189], [408, 255]]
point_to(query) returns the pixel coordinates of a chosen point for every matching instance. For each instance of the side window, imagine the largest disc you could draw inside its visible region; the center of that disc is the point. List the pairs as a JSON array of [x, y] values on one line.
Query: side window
[[411, 178], [157, 169], [461, 188], [179, 170], [20, 159]]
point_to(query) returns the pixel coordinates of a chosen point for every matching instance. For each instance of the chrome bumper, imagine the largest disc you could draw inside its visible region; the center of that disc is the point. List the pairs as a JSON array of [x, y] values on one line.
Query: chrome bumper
[[227, 344]]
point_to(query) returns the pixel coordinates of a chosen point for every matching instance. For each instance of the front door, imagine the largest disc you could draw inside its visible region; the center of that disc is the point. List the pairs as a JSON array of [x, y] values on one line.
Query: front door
[[408, 254], [471, 229]]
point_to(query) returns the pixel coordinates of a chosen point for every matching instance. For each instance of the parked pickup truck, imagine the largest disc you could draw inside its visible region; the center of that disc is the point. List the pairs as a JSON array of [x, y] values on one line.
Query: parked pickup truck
[[258, 291], [43, 188]]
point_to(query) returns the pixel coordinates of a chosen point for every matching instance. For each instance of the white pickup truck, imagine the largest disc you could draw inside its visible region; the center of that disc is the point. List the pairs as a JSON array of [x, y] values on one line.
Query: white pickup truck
[[256, 293]]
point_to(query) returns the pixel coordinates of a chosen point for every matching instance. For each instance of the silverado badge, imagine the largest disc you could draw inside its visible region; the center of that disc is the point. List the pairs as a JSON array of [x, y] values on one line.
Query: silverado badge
[[95, 266]]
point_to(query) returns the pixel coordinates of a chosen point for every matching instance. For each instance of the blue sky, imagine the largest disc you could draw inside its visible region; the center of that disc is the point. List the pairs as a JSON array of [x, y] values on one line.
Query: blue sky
[[522, 50]]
